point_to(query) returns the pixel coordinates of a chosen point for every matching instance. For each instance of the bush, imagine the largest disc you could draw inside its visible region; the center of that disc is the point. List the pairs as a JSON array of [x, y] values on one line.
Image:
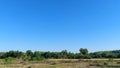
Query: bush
[[9, 60], [37, 58]]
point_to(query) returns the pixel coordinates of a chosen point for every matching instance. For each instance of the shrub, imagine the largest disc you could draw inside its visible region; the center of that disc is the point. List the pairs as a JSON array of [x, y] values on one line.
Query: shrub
[[37, 58], [9, 60]]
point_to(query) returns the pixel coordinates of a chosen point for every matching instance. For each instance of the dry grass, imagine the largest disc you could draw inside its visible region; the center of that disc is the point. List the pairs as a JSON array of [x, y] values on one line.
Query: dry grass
[[49, 63], [54, 63]]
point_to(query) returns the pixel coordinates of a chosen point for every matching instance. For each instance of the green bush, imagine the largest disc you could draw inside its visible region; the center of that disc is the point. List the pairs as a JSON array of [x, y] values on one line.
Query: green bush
[[9, 60], [37, 58]]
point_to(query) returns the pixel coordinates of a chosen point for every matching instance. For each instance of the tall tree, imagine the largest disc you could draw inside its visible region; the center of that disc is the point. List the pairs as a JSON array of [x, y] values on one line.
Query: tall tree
[[83, 51]]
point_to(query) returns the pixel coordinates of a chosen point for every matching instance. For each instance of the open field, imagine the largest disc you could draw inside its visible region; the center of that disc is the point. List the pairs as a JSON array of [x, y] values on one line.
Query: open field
[[61, 63], [50, 63]]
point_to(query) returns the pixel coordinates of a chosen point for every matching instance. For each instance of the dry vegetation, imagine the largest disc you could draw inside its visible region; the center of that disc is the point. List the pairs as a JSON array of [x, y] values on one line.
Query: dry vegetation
[[49, 63], [59, 63]]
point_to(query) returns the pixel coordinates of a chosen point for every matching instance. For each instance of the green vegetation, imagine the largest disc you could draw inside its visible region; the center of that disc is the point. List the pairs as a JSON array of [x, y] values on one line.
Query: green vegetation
[[106, 54], [63, 59], [38, 55]]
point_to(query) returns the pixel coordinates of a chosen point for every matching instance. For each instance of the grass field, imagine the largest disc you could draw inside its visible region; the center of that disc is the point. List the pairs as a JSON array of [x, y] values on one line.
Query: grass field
[[60, 63]]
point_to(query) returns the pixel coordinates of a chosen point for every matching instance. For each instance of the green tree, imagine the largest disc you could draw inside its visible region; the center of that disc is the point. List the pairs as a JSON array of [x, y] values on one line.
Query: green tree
[[29, 53], [37, 56], [83, 51], [64, 54]]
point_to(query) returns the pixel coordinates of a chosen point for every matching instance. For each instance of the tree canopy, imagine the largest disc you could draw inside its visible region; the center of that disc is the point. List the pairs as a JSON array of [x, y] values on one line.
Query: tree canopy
[[64, 54]]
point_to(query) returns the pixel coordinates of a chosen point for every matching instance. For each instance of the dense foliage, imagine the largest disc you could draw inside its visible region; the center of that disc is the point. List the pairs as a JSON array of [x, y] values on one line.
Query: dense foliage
[[106, 54], [38, 55]]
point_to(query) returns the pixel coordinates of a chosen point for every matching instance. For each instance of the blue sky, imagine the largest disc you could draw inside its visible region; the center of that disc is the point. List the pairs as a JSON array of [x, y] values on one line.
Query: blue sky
[[55, 25]]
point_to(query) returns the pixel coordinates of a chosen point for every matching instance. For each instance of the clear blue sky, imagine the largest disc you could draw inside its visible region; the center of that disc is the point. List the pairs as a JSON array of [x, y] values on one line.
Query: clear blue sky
[[55, 25]]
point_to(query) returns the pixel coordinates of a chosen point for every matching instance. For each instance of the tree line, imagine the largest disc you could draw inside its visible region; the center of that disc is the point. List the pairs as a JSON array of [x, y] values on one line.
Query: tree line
[[64, 54]]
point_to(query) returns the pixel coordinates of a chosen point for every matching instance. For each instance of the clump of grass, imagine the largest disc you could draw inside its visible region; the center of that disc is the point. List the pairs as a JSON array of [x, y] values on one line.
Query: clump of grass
[[118, 62], [53, 63], [105, 63], [29, 67]]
